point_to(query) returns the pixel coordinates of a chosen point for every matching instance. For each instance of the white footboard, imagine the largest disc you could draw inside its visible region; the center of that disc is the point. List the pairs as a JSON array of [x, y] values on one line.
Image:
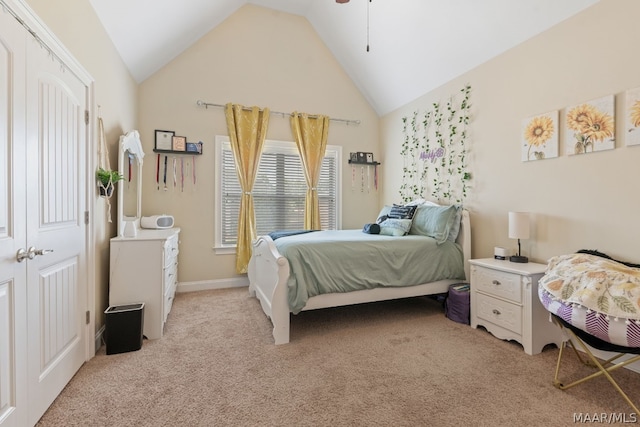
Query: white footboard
[[268, 273]]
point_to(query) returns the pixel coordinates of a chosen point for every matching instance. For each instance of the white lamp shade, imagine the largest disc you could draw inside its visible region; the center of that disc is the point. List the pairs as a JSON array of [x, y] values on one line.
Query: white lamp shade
[[518, 225]]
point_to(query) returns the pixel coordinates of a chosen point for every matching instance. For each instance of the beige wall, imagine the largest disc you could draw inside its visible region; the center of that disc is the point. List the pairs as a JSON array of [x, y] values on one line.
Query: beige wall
[[76, 25], [256, 57], [577, 201], [587, 201]]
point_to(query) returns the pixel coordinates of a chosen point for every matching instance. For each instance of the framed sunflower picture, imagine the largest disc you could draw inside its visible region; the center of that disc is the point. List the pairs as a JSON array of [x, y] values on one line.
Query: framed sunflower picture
[[632, 125], [540, 137], [591, 126]]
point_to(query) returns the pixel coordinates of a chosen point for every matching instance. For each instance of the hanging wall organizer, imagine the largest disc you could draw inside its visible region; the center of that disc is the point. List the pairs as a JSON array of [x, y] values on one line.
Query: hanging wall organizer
[[172, 170], [363, 159]]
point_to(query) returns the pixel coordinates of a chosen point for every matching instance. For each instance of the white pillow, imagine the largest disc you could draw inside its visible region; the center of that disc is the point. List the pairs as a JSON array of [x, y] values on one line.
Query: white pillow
[[416, 202]]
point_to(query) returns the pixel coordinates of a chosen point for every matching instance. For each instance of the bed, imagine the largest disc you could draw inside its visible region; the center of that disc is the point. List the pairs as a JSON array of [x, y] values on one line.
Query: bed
[[284, 277]]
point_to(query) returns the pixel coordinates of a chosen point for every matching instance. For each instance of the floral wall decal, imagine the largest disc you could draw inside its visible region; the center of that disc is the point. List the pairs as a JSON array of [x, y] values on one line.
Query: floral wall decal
[[633, 116], [590, 126], [540, 137], [435, 146]]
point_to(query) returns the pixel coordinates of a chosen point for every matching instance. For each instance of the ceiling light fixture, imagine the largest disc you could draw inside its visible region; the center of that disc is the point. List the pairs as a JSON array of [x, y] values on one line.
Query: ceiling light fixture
[[347, 1], [368, 3]]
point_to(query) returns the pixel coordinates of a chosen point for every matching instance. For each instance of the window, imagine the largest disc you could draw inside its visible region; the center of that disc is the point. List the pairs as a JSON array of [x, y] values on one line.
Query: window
[[279, 191]]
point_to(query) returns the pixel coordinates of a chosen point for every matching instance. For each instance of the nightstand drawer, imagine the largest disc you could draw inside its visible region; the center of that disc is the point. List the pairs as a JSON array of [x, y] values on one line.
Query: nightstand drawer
[[499, 312], [498, 283]]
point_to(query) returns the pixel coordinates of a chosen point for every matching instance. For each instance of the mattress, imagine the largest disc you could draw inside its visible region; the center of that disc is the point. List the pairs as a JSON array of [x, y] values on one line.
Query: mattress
[[336, 261]]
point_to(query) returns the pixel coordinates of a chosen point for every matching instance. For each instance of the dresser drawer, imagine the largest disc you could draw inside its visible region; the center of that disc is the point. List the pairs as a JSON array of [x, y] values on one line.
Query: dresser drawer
[[170, 276], [168, 301], [499, 312], [498, 283], [171, 251]]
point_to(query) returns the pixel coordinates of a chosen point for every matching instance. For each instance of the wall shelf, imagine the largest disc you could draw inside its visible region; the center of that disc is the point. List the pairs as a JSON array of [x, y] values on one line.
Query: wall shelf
[[193, 153], [353, 162]]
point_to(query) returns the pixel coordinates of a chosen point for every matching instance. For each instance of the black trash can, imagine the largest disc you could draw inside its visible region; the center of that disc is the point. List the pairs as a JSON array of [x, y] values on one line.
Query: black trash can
[[123, 328], [456, 306]]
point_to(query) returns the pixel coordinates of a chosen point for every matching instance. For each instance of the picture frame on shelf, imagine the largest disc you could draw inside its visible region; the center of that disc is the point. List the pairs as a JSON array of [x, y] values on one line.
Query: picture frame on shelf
[[362, 157], [353, 157], [179, 143], [369, 157], [194, 147], [164, 140]]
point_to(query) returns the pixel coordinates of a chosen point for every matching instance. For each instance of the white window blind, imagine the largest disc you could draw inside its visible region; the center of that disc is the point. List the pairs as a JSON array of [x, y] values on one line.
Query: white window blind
[[279, 191]]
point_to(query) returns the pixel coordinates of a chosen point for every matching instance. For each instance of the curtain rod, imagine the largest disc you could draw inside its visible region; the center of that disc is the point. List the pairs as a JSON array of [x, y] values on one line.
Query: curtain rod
[[209, 104], [43, 44]]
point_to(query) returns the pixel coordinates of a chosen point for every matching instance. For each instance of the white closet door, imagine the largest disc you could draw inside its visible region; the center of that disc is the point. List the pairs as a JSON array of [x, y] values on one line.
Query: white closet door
[[55, 185], [13, 283]]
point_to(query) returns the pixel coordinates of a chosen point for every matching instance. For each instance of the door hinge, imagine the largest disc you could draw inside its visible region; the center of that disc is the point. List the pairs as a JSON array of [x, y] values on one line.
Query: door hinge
[[86, 117], [88, 317], [86, 217]]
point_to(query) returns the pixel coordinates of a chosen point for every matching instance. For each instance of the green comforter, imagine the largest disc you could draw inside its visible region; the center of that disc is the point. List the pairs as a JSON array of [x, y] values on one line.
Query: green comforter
[[348, 260]]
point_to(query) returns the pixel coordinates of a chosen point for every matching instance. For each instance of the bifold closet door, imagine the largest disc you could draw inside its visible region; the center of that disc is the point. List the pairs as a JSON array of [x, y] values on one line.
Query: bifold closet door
[[55, 181], [13, 282], [43, 235]]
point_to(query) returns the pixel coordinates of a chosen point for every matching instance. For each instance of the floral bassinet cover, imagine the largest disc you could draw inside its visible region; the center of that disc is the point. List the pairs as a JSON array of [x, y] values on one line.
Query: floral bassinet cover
[[598, 295]]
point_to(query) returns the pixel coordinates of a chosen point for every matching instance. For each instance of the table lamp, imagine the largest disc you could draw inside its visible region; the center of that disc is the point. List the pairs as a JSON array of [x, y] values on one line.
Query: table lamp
[[519, 229]]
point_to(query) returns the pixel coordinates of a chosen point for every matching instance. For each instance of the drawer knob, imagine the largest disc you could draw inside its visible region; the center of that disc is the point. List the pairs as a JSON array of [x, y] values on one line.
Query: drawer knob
[[496, 282], [496, 312]]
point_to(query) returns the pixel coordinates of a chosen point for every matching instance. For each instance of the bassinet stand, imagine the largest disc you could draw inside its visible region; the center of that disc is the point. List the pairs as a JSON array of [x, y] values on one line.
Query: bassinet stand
[[576, 335]]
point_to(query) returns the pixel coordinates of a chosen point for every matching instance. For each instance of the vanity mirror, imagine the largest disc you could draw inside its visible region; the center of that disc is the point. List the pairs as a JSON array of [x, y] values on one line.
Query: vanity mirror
[[130, 160]]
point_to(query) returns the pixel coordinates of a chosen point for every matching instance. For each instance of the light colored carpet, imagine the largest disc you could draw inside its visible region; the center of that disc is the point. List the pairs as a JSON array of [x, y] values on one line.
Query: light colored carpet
[[399, 363]]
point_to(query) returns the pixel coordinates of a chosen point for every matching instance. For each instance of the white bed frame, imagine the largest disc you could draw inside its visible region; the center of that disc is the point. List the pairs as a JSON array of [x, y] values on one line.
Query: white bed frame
[[268, 273]]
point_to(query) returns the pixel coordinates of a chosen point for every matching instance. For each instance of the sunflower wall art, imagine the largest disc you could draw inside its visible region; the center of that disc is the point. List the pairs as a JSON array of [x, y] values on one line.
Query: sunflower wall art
[[540, 137], [633, 116], [590, 126]]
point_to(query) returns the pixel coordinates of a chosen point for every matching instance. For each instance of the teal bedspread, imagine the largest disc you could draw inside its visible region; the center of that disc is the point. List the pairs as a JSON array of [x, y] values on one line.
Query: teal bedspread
[[349, 260]]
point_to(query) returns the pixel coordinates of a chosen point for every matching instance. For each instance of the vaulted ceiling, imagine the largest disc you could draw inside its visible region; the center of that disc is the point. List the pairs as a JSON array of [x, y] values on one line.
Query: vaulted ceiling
[[414, 45]]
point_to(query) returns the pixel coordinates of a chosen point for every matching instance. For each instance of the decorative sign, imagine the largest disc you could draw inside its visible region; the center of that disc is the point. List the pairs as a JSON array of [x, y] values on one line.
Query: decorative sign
[[432, 155]]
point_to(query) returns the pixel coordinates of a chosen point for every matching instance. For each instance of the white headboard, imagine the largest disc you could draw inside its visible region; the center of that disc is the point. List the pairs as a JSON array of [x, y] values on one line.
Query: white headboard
[[464, 240]]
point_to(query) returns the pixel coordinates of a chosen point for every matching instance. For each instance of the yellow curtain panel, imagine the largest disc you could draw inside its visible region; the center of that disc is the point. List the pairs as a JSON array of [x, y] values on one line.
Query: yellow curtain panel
[[311, 133], [247, 130]]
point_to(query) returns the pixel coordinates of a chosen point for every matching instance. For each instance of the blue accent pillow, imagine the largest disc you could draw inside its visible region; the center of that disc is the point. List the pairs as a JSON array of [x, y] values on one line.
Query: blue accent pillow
[[384, 214], [402, 212]]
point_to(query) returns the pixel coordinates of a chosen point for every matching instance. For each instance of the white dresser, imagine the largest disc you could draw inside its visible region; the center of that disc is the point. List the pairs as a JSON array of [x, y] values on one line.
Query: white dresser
[[145, 269], [504, 299]]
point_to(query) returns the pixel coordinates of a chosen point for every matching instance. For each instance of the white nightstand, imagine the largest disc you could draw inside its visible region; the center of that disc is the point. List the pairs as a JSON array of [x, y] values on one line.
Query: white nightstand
[[504, 299]]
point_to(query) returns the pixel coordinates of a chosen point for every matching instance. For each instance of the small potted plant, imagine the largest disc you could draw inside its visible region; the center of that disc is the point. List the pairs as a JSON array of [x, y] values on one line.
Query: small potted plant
[[106, 180]]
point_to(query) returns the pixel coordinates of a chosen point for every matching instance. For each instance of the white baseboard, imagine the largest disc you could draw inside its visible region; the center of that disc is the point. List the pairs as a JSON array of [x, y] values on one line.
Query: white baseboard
[[203, 285], [99, 337]]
